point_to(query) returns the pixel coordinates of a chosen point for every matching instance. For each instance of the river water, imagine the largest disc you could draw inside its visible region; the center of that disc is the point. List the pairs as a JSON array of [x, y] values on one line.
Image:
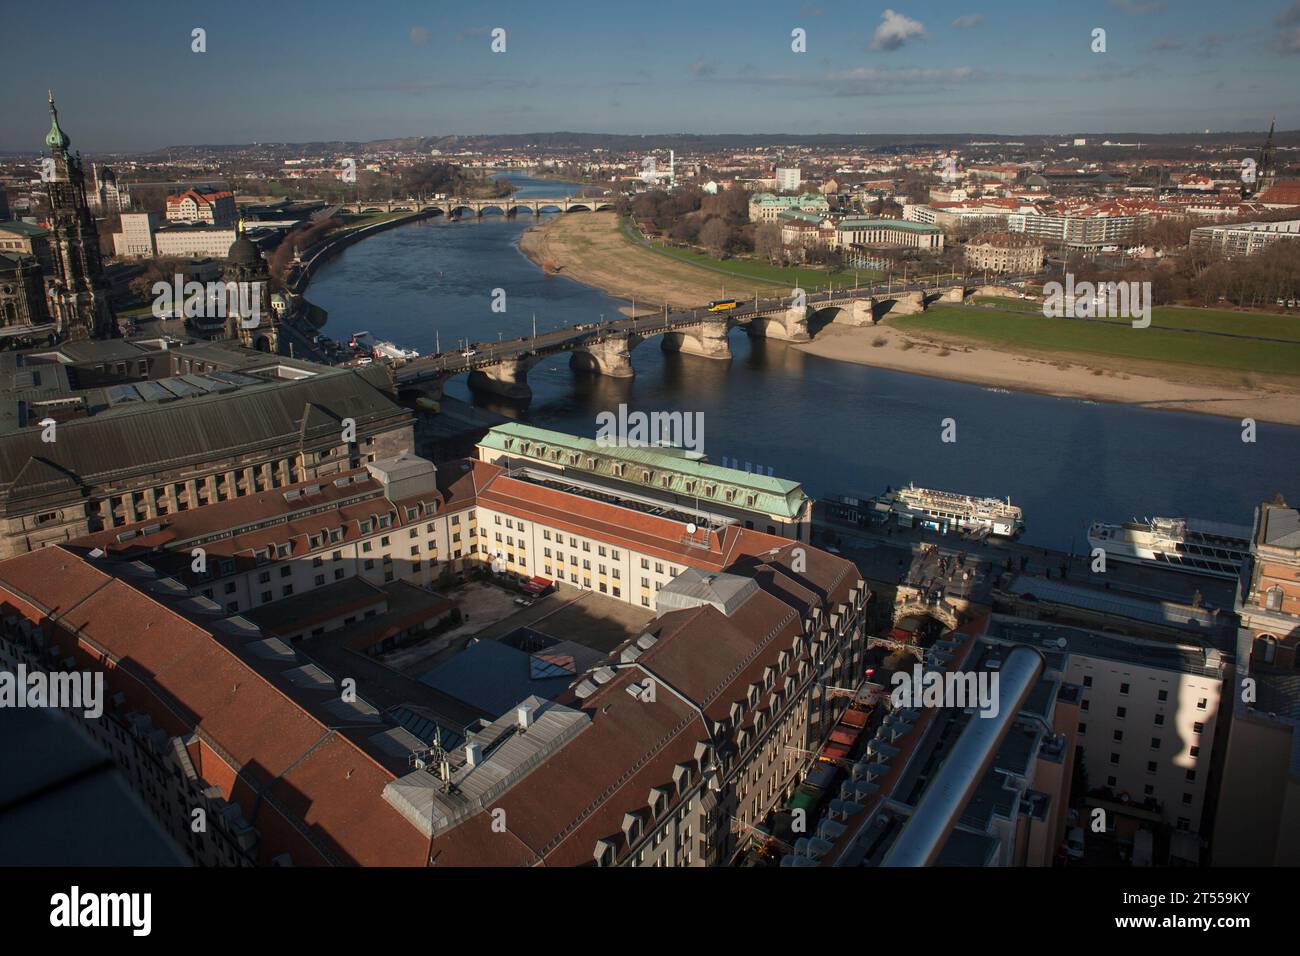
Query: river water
[[837, 427]]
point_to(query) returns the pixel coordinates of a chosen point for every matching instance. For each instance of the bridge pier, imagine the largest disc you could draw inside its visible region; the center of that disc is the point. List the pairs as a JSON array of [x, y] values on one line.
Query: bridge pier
[[708, 340], [610, 356], [858, 313], [905, 303], [955, 294], [509, 379], [788, 326]]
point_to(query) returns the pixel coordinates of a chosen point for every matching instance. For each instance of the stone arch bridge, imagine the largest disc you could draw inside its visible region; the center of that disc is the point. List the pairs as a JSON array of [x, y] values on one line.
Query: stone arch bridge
[[606, 348], [507, 206]]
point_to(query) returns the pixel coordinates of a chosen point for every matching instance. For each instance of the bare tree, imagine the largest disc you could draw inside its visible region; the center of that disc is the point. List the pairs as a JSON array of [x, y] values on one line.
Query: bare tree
[[716, 236], [767, 241]]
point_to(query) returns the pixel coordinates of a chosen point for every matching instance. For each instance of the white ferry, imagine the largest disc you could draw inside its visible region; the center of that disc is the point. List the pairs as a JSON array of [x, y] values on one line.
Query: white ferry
[[389, 350], [947, 511], [1185, 544]]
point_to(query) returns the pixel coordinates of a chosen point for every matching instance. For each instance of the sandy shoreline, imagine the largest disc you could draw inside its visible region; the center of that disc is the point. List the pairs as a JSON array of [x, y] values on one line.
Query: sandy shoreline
[[588, 250], [1026, 373]]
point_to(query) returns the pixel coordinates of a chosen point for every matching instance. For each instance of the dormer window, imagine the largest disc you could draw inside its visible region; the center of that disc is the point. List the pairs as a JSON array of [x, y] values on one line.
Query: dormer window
[[658, 801], [704, 750], [631, 828], [604, 853], [682, 777]]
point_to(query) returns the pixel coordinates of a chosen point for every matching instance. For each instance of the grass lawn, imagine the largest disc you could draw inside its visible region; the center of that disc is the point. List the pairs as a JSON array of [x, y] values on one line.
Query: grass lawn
[[1219, 320], [808, 278], [1069, 336]]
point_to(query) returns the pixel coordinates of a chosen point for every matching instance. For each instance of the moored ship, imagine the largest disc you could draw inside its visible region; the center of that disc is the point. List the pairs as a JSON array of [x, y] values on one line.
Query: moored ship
[[1186, 544], [949, 511], [390, 350]]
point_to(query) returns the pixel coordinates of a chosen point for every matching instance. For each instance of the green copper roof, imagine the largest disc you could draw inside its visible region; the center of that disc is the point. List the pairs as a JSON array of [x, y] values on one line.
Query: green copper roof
[[56, 138], [904, 224], [686, 476]]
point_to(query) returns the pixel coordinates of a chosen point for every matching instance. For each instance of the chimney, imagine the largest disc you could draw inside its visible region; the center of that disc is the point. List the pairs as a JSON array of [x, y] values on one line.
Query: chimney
[[525, 713]]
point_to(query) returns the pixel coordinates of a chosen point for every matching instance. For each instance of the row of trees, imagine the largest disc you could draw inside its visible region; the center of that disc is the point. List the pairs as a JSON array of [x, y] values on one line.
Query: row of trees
[[1208, 278]]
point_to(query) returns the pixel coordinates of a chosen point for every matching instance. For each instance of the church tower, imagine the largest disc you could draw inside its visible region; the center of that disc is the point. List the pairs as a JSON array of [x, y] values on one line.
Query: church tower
[[78, 297], [1267, 161], [246, 267]]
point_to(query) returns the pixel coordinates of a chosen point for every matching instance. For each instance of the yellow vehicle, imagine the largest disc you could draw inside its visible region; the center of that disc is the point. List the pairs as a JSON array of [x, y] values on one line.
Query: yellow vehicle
[[722, 305]]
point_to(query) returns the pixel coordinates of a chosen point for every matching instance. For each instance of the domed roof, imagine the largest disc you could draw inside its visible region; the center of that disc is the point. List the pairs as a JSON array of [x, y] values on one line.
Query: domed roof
[[243, 252]]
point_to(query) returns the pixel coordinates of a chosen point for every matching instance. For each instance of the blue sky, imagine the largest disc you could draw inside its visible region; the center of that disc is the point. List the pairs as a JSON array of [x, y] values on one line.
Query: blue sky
[[125, 77]]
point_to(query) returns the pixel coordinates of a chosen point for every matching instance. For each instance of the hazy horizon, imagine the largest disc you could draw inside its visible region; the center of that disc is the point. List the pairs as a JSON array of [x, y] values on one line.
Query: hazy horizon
[[345, 73]]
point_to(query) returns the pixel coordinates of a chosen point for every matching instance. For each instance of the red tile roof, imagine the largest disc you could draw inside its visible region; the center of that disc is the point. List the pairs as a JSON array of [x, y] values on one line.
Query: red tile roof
[[309, 789]]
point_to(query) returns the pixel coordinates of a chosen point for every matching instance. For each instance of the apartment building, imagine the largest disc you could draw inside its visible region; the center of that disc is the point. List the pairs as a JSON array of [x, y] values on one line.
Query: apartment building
[[1243, 239], [136, 240], [1082, 229], [788, 179], [194, 241], [1258, 819], [195, 206]]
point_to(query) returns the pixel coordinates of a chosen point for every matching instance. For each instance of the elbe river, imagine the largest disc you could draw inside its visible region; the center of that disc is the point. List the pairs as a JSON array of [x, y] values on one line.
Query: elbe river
[[837, 427]]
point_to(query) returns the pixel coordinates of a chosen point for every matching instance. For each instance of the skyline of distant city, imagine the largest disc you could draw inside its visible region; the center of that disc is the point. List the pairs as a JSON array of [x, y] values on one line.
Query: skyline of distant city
[[271, 75]]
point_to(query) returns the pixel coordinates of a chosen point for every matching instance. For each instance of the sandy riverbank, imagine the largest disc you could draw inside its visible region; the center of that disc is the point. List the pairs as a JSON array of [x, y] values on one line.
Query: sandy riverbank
[[590, 249], [1203, 392]]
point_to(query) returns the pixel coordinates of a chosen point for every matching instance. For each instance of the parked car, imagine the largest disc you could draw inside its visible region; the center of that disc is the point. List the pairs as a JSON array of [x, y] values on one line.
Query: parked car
[[524, 602]]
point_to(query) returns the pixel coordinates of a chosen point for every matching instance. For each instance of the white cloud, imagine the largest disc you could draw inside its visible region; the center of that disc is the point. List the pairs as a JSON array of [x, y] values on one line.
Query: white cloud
[[894, 30], [969, 21], [1138, 8]]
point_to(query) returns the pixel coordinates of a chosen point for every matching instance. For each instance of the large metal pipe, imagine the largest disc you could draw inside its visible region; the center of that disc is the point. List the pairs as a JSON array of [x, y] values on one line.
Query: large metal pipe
[[927, 830]]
